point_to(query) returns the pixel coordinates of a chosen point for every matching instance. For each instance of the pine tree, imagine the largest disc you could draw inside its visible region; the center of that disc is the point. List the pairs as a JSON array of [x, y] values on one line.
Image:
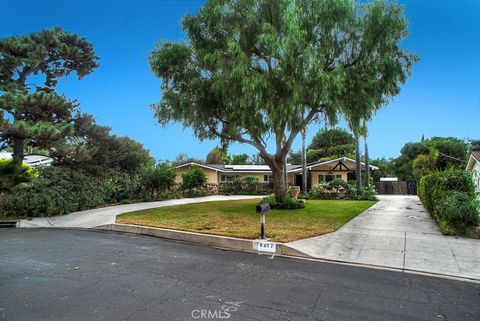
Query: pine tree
[[31, 111]]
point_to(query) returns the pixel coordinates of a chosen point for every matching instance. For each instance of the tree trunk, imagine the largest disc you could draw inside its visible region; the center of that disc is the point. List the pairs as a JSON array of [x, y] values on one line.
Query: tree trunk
[[367, 164], [285, 174], [304, 163], [279, 184], [18, 149], [359, 164]]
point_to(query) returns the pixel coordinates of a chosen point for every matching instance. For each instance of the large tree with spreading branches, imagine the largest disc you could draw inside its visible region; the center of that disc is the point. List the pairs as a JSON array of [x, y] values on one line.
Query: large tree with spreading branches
[[256, 71], [31, 111]]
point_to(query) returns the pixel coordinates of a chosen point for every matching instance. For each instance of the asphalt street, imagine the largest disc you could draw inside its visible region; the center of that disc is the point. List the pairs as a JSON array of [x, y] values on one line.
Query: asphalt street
[[52, 274]]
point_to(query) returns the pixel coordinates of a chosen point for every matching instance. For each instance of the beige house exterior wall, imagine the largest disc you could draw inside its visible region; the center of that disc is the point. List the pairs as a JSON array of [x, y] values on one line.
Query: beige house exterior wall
[[476, 177], [314, 179], [212, 177]]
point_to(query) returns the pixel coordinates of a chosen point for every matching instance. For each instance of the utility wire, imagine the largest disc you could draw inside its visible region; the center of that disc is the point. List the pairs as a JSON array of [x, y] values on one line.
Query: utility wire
[[448, 156]]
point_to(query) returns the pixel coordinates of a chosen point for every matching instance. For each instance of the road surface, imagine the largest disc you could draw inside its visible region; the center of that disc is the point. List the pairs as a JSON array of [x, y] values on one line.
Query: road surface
[[54, 274]]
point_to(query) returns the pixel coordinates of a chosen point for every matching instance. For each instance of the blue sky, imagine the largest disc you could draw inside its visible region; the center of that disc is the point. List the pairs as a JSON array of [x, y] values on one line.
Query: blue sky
[[441, 98]]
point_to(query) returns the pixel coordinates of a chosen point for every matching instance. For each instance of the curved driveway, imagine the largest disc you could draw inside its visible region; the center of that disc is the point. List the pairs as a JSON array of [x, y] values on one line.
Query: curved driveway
[[107, 215]]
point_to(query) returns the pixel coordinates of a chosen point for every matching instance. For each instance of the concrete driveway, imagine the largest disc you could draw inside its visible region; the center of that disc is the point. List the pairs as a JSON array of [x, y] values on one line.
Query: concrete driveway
[[107, 215], [397, 232]]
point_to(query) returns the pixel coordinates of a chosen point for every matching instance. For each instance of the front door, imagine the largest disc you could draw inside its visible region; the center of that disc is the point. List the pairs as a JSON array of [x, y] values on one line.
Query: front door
[[298, 181]]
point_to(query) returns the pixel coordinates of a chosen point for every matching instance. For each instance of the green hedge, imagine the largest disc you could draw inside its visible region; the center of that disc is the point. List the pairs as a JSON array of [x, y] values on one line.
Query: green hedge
[[56, 191], [339, 189], [289, 203], [247, 185], [450, 197]]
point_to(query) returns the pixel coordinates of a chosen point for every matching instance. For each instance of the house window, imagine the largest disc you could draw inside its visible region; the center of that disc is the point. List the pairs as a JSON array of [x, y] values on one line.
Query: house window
[[228, 178], [267, 178], [327, 178]]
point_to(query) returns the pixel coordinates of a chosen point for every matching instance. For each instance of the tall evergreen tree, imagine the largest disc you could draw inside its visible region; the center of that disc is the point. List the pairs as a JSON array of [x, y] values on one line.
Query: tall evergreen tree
[[31, 111]]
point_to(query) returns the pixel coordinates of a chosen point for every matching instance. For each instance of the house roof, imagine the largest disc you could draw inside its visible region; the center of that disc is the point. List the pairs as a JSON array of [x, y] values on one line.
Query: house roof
[[265, 169], [476, 155], [474, 158], [237, 168]]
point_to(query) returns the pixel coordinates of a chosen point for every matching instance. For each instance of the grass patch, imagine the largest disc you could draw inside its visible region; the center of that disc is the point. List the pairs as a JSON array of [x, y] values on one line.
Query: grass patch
[[238, 218]]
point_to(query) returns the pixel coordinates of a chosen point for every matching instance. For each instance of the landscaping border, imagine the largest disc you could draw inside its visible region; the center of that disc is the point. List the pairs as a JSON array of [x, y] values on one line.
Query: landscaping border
[[223, 242]]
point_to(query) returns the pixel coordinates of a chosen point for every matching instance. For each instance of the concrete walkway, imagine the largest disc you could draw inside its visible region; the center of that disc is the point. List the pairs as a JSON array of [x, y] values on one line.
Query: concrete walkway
[[107, 215], [397, 232]]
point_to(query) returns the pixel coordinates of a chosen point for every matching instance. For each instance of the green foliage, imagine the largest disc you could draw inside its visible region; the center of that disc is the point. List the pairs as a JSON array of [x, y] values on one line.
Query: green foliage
[[335, 189], [330, 143], [452, 152], [369, 193], [224, 80], [339, 189], [194, 178], [161, 178], [247, 185], [442, 192], [404, 163], [240, 159], [424, 165], [459, 210], [436, 153], [56, 191], [385, 166], [94, 149], [11, 174], [289, 203], [184, 159], [122, 186], [29, 71], [217, 155]]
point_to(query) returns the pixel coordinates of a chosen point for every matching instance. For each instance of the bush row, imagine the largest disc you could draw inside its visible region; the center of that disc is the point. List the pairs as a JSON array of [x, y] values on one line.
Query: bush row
[[61, 190], [339, 189], [290, 203], [247, 185], [450, 197]]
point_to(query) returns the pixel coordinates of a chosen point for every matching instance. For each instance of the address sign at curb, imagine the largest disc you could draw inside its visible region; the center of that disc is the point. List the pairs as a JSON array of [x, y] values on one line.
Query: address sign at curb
[[267, 247]]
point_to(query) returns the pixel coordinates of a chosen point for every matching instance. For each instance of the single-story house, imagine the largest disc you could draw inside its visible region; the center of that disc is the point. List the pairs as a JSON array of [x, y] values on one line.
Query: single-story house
[[318, 172], [473, 167]]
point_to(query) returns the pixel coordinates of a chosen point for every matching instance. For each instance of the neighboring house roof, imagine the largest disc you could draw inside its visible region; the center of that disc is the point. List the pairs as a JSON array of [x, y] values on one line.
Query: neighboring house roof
[[474, 158], [31, 160], [265, 169]]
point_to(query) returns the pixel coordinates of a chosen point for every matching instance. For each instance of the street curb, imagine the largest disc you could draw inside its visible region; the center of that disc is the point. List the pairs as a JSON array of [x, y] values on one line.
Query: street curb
[[223, 242]]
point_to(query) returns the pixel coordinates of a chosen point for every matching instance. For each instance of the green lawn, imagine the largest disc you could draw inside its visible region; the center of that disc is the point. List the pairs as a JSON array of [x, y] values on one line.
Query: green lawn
[[238, 218]]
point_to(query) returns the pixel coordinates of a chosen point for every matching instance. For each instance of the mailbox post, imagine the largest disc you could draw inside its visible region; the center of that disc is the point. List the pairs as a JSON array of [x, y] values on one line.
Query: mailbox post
[[262, 209]]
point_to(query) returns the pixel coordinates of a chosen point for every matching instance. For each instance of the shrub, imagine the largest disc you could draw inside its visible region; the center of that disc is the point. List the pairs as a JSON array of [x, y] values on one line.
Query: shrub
[[250, 183], [459, 210], [122, 186], [450, 197], [368, 194], [335, 189], [56, 191], [245, 185], [158, 179], [194, 178], [289, 203], [11, 174]]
